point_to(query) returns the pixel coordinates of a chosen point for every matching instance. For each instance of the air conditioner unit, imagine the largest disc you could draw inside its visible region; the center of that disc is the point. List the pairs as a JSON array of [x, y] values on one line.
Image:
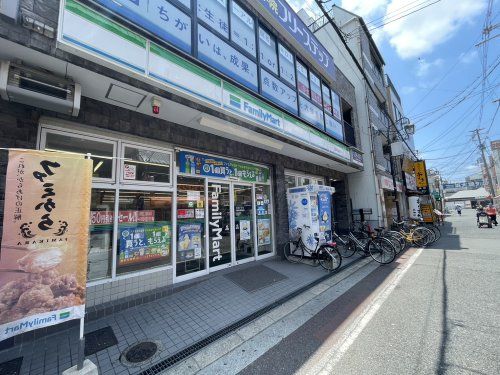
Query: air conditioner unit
[[39, 89]]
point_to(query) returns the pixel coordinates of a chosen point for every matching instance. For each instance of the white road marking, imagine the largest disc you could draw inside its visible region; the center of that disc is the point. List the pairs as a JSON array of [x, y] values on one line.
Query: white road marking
[[332, 350]]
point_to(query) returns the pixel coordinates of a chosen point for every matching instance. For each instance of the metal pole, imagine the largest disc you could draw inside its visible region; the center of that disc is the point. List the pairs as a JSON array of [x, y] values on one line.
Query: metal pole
[[488, 175], [393, 172]]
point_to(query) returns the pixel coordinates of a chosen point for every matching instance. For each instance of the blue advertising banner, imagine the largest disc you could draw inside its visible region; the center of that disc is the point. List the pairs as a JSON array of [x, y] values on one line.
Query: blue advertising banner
[[278, 92], [243, 29], [287, 18], [334, 128], [267, 50], [217, 53], [309, 112], [325, 212], [287, 67], [156, 16], [214, 14], [205, 165]]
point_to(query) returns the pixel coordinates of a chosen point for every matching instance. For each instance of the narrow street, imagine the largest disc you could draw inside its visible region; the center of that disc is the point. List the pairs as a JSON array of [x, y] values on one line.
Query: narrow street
[[435, 310]]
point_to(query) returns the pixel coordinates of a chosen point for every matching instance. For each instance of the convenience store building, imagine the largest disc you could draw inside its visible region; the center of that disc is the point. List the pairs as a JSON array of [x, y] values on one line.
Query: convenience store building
[[197, 114]]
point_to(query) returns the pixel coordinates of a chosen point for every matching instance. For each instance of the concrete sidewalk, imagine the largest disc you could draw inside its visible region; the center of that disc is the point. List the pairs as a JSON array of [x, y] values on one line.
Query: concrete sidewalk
[[176, 322]]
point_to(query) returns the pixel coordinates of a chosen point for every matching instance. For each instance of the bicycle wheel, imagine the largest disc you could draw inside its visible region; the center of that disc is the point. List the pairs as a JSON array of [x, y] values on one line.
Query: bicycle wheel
[[421, 236], [401, 239], [435, 230], [329, 258], [397, 245], [348, 249], [381, 250], [293, 253]]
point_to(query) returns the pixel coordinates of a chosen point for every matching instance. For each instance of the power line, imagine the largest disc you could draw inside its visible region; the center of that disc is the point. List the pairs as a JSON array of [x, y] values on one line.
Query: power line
[[397, 11], [403, 16]]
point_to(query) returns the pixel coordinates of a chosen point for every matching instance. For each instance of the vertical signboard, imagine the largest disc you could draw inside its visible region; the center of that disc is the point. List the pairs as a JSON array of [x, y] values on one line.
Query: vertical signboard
[[214, 14], [287, 68], [290, 21], [421, 177], [43, 267], [267, 50], [243, 29]]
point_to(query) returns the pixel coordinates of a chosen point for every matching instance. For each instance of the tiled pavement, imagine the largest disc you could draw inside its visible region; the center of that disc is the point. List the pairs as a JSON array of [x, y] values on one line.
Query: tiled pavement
[[176, 321]]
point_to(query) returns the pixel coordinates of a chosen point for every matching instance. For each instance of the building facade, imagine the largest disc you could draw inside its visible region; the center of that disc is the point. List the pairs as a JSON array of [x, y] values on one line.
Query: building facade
[[198, 115]]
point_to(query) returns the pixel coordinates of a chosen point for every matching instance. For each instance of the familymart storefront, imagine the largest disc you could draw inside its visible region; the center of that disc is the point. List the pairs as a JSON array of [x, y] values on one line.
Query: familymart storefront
[[157, 207]]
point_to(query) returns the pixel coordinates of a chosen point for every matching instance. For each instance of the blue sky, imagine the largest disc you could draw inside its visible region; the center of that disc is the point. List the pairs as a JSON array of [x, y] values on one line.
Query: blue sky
[[431, 57]]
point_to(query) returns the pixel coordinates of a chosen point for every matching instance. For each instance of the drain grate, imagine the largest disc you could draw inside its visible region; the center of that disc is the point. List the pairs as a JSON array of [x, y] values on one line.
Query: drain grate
[[190, 350], [12, 367], [140, 353], [101, 339]]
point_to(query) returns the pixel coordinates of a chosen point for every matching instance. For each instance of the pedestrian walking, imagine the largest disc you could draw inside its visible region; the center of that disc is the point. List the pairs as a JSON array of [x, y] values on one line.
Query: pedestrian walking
[[491, 211]]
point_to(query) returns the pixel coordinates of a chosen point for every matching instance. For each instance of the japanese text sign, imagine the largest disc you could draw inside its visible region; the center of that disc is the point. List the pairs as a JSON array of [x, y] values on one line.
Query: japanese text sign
[[156, 16], [45, 239], [290, 21], [205, 165], [421, 177]]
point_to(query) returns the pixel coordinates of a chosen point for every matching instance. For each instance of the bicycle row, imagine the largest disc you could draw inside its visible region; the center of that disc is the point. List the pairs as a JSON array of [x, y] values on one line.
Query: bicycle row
[[381, 244]]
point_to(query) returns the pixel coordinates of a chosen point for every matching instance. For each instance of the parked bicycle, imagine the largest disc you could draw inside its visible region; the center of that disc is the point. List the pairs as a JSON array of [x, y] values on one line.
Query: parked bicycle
[[326, 254], [414, 235], [380, 249]]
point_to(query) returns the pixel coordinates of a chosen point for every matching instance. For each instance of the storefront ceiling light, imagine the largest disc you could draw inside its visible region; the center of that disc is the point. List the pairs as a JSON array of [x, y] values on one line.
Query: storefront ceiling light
[[241, 133]]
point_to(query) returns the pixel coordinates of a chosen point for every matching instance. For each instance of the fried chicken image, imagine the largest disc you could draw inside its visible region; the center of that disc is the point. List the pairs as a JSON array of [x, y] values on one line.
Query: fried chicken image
[[10, 315], [10, 292], [38, 296], [47, 277], [64, 285], [65, 301], [38, 261]]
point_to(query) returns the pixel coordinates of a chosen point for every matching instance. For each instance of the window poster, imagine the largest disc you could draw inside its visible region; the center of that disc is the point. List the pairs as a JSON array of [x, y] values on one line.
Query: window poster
[[245, 232], [214, 14], [315, 89], [268, 54], [327, 99], [143, 242], [264, 231], [129, 171], [287, 68], [243, 29], [189, 242], [303, 80], [278, 91], [183, 213], [336, 106]]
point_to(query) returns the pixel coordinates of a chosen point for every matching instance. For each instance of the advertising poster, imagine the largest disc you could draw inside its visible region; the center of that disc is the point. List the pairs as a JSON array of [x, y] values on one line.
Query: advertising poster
[[421, 177], [144, 242], [189, 243], [129, 171], [325, 211], [245, 230], [43, 263], [264, 231]]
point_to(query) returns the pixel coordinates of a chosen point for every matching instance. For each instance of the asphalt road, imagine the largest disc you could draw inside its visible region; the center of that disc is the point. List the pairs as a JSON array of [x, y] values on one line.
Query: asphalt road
[[435, 311]]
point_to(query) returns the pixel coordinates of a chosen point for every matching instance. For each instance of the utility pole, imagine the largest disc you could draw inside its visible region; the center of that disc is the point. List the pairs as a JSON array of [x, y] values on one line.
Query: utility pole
[[482, 147]]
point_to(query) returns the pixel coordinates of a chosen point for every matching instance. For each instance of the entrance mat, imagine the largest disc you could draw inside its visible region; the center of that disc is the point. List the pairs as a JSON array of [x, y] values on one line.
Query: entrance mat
[[254, 278], [12, 367], [99, 340]]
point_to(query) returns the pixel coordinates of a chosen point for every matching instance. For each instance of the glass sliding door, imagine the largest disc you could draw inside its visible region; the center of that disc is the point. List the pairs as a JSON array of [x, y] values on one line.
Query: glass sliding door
[[191, 253], [219, 220], [264, 219], [244, 222]]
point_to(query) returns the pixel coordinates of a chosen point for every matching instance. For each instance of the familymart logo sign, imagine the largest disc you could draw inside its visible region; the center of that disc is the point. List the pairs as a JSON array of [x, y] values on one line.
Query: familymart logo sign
[[39, 321], [254, 111]]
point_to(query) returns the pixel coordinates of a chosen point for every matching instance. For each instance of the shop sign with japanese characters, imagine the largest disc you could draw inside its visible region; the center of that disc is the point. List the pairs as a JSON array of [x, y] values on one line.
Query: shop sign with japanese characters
[[421, 176], [43, 267], [210, 166]]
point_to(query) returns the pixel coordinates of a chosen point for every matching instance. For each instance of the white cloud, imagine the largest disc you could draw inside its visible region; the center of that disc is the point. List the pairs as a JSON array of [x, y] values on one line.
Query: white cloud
[[425, 67], [365, 8], [420, 33], [468, 57], [406, 90]]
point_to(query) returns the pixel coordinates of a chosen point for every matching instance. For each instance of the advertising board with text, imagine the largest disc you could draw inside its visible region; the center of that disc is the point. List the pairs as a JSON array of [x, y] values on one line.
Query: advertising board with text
[[43, 264]]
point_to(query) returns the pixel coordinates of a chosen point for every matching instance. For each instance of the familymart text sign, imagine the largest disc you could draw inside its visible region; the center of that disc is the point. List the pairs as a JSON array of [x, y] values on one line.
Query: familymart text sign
[[43, 264]]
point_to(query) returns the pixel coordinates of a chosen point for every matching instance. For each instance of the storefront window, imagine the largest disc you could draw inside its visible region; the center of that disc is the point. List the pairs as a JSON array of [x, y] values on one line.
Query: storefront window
[[144, 230], [102, 208], [290, 181], [243, 213], [267, 48], [303, 80], [264, 219], [190, 225], [101, 152], [242, 28], [145, 165]]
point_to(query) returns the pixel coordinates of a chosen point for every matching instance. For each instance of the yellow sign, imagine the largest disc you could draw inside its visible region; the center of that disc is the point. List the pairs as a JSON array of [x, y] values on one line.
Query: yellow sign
[[407, 165], [45, 240], [426, 211], [421, 176]]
